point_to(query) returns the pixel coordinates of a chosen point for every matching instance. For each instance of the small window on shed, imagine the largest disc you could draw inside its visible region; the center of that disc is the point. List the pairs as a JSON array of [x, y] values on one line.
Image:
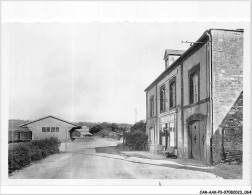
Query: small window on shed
[[47, 129], [43, 129], [57, 129], [52, 129]]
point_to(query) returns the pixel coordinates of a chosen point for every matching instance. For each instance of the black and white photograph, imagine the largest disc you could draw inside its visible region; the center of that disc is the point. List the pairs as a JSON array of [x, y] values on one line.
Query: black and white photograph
[[125, 93]]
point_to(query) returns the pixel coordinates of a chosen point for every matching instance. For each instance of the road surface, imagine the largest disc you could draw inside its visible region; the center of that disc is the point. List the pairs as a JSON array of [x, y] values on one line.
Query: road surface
[[94, 158]]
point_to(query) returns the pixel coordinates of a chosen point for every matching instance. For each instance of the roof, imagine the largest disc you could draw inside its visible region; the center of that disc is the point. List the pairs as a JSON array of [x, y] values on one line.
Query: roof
[[203, 39], [50, 116], [173, 52], [14, 125]]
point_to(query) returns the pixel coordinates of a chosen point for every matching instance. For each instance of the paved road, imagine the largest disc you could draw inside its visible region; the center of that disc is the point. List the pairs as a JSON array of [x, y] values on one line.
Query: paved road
[[93, 158]]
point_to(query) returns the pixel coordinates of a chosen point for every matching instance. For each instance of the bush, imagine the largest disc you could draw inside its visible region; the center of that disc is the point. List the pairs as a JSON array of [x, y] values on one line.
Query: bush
[[139, 126], [136, 140], [49, 146], [36, 154], [22, 154], [108, 133], [19, 156]]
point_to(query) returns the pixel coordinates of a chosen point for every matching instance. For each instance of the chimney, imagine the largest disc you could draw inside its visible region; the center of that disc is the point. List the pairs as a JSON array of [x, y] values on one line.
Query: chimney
[[171, 56]]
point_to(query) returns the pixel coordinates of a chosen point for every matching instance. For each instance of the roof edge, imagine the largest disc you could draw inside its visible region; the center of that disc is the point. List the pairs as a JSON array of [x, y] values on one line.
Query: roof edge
[[179, 59], [49, 117]]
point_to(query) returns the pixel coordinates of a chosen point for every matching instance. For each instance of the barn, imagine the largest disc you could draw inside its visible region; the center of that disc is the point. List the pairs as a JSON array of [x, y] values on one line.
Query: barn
[[51, 126]]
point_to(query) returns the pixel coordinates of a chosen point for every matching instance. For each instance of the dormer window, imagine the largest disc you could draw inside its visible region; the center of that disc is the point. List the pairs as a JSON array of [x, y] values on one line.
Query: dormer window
[[171, 56]]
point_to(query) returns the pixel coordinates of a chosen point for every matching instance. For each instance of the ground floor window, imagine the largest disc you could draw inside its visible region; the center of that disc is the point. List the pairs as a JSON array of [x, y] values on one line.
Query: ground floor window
[[168, 135], [152, 135]]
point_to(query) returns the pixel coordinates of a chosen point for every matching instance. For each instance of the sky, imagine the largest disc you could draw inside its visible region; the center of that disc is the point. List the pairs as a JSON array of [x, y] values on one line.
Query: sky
[[87, 71]]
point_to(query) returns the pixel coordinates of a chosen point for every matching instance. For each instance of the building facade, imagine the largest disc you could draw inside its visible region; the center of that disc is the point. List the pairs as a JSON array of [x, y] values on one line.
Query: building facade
[[51, 126], [189, 102]]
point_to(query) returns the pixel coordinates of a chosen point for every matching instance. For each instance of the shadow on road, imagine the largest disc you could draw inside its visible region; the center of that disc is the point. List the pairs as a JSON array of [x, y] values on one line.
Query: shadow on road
[[107, 150]]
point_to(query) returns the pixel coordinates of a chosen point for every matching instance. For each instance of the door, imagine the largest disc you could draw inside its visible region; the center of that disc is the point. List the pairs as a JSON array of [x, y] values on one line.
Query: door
[[195, 140], [198, 140]]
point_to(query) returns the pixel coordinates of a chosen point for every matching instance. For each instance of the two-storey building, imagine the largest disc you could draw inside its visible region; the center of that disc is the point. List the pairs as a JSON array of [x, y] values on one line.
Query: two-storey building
[[187, 105]]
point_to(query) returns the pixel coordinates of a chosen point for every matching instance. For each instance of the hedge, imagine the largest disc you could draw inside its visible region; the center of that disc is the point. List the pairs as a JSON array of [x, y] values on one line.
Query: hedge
[[136, 140], [22, 154]]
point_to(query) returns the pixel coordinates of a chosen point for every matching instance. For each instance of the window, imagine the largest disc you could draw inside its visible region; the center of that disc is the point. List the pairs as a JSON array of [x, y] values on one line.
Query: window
[[194, 88], [47, 129], [172, 134], [43, 129], [168, 135], [52, 129], [152, 135], [152, 106], [57, 129], [194, 77], [172, 94], [162, 99]]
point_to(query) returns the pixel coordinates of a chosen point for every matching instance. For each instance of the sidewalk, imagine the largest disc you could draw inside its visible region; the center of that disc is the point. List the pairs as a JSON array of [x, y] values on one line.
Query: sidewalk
[[223, 170], [161, 159]]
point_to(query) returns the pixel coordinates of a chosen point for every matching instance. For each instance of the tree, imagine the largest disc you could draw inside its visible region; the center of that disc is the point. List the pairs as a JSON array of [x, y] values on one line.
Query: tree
[[114, 127], [95, 129], [139, 126]]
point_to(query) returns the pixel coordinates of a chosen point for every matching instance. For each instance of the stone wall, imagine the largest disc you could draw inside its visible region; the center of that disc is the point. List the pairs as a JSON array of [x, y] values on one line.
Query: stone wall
[[227, 87], [227, 140], [227, 72]]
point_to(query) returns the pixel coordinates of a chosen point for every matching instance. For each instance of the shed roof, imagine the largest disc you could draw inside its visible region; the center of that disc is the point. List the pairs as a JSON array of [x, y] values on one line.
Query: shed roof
[[14, 125], [50, 116]]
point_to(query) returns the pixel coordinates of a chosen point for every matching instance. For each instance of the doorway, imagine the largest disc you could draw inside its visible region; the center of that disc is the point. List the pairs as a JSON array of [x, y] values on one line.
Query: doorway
[[197, 140]]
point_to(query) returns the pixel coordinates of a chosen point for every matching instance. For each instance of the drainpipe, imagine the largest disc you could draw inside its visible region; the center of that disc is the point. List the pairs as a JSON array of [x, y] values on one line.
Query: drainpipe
[[210, 95], [146, 114], [157, 129]]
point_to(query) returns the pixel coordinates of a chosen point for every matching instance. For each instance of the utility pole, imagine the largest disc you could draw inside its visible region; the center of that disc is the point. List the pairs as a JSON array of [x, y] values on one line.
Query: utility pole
[[123, 137], [135, 115]]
